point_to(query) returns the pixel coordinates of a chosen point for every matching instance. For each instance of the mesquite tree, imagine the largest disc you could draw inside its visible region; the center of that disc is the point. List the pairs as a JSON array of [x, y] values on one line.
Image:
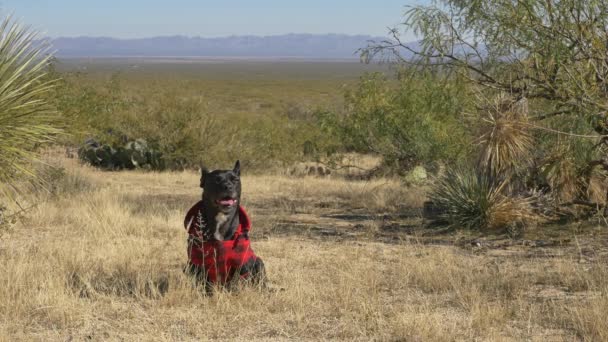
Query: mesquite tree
[[552, 53]]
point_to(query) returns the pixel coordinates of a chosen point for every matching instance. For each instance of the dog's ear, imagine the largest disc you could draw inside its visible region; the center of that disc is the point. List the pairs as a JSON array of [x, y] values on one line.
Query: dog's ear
[[204, 172], [237, 168]]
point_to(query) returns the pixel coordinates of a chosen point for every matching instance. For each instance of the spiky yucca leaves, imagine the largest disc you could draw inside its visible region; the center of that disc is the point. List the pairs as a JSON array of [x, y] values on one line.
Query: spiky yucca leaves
[[567, 177], [473, 200], [26, 120], [504, 140]]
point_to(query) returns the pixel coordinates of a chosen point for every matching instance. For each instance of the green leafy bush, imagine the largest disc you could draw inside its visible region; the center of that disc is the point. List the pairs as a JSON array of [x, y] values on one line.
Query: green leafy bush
[[414, 120]]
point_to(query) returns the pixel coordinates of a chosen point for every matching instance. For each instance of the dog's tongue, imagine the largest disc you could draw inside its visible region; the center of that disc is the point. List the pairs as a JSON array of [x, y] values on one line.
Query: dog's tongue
[[227, 202]]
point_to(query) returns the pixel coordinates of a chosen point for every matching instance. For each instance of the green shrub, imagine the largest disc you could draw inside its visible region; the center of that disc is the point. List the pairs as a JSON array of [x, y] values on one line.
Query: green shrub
[[412, 121]]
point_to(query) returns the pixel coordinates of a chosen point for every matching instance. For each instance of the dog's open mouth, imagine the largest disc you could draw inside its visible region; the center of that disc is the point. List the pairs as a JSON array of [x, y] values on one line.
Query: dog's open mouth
[[226, 202]]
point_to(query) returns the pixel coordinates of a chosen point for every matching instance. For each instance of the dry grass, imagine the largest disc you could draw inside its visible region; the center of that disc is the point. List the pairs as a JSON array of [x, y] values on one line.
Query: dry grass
[[105, 264]]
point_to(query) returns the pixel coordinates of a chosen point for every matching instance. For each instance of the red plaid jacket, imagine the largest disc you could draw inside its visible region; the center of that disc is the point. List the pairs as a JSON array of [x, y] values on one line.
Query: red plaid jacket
[[219, 259]]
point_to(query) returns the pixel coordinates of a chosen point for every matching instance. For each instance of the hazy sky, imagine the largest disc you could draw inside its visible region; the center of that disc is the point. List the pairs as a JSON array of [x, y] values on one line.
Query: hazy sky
[[206, 18]]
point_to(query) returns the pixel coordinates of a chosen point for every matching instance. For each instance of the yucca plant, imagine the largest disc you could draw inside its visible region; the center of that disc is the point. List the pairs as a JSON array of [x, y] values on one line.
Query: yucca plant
[[505, 142], [474, 200], [27, 121], [486, 197]]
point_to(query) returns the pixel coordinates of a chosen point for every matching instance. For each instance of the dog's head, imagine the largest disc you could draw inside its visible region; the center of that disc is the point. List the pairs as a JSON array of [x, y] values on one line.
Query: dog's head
[[222, 188]]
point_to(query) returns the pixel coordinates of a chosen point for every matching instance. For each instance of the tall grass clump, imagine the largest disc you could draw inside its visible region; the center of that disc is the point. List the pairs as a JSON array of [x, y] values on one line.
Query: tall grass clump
[[27, 121]]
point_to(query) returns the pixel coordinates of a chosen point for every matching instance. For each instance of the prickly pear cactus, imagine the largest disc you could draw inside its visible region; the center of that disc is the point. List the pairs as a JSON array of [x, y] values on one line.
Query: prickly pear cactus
[[104, 155], [134, 154], [155, 159], [122, 159]]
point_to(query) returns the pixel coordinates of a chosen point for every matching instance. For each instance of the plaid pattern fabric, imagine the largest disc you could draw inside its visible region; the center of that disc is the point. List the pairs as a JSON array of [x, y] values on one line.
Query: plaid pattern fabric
[[220, 260]]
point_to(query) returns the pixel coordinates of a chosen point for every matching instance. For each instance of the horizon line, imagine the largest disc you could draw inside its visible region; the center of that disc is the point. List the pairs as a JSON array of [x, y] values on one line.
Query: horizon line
[[219, 37]]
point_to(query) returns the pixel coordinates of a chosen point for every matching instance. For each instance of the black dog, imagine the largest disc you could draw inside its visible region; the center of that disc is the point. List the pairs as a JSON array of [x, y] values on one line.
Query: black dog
[[219, 249]]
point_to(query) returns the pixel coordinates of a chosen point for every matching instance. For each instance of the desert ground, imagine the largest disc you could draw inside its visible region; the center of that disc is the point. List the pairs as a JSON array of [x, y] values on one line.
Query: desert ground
[[347, 260]]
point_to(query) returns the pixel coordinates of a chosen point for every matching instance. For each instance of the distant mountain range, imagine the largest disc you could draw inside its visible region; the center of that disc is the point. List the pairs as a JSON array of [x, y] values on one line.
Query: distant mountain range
[[289, 45]]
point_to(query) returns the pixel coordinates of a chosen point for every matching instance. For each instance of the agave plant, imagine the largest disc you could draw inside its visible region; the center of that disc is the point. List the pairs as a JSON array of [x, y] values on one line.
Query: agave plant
[[27, 121]]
